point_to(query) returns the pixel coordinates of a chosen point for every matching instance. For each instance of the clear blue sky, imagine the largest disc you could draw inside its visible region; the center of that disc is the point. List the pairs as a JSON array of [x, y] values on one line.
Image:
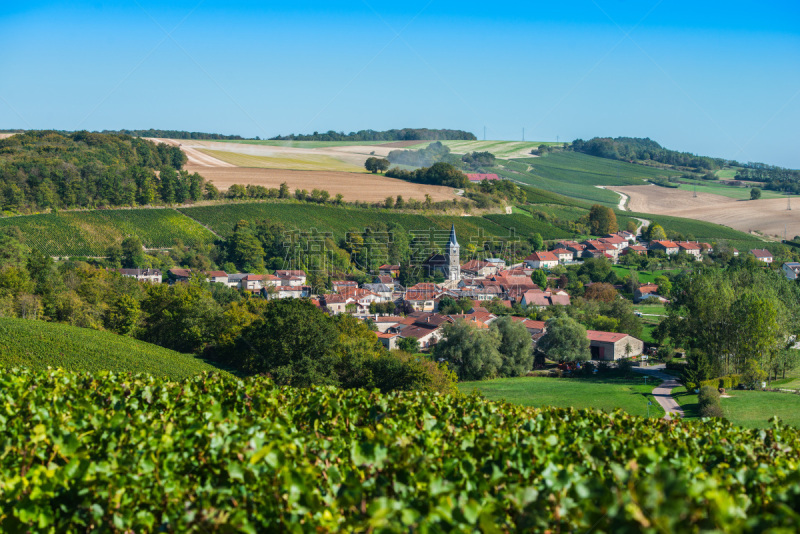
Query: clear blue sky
[[714, 78]]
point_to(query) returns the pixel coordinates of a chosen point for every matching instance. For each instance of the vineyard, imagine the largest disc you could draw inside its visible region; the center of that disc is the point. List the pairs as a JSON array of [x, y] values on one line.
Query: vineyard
[[89, 233], [339, 221], [39, 344], [122, 453]]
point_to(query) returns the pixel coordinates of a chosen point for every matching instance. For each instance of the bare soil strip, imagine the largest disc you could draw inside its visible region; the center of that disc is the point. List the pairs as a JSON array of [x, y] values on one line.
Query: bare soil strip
[[6, 135], [352, 186], [768, 216], [196, 158]]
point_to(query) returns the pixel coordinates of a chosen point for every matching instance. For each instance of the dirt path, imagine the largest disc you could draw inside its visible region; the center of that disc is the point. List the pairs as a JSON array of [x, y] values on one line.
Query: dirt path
[[623, 198], [663, 393]]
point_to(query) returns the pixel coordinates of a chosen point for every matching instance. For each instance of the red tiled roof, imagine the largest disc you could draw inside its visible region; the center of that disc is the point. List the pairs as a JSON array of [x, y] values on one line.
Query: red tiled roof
[[607, 337], [560, 251], [217, 274], [284, 273], [254, 277], [181, 273], [761, 253], [666, 244], [387, 267], [688, 245], [648, 288], [529, 323], [542, 256]]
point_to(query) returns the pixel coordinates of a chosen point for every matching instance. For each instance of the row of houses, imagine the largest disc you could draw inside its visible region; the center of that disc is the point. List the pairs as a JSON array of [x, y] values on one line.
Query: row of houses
[[428, 329]]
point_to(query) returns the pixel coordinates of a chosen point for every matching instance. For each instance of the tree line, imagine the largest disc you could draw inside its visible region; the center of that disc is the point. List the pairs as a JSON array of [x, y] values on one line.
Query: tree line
[[49, 170], [635, 148], [173, 134], [404, 134]]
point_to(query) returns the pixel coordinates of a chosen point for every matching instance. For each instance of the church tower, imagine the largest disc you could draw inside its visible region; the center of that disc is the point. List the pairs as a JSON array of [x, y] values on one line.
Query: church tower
[[453, 257]]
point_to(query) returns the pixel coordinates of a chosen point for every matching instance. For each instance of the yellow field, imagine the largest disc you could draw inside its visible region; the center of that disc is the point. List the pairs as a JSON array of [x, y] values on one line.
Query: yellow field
[[304, 162]]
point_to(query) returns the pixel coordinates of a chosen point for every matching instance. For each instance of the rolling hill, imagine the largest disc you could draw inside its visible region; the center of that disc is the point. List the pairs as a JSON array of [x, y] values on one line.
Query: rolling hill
[[39, 344]]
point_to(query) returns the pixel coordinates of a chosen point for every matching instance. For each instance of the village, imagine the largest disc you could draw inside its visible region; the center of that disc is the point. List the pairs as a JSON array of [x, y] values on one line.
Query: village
[[398, 313]]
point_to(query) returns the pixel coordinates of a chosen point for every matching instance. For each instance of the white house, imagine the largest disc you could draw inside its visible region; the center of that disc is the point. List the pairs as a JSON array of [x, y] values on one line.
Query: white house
[[542, 260], [791, 270]]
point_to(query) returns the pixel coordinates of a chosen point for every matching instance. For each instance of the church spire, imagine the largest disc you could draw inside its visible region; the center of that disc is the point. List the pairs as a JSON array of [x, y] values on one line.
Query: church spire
[[453, 235]]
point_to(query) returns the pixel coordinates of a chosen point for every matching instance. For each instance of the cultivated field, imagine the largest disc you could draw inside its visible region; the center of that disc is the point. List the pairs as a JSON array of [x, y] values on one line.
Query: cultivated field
[[768, 216], [296, 162], [501, 149], [196, 158], [6, 135], [352, 186]]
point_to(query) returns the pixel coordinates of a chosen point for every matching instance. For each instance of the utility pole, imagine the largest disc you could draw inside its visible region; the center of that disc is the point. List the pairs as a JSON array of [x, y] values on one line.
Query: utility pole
[[523, 135], [484, 133]]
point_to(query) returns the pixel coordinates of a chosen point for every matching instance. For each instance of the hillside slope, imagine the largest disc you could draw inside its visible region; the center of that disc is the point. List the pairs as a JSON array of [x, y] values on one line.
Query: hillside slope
[[39, 344]]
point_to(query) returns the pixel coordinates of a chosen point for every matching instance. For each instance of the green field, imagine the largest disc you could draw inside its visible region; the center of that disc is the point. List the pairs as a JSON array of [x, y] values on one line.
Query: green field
[[576, 175], [726, 174], [651, 309], [573, 213], [501, 149], [645, 277], [704, 231], [602, 393], [750, 409], [89, 233], [296, 162], [39, 344]]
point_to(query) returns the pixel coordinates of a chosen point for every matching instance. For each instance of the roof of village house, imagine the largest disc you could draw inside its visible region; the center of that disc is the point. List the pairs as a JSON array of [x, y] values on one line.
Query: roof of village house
[[180, 273], [356, 293], [606, 337], [599, 245], [344, 283], [529, 323], [648, 288], [638, 248], [380, 288], [293, 288], [418, 331], [139, 272], [613, 239], [689, 245], [286, 272], [544, 255], [386, 335], [567, 244], [665, 244], [254, 277], [560, 251], [217, 274], [474, 265], [761, 253], [385, 279], [471, 319], [546, 298], [387, 267], [388, 319], [334, 299]]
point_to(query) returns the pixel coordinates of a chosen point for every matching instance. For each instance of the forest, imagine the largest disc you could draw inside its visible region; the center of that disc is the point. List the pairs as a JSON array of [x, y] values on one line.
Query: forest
[[172, 134], [49, 170], [404, 134], [635, 148]]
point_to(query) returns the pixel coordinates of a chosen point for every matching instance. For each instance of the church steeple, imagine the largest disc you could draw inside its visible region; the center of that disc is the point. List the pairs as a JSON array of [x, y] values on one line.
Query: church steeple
[[453, 235], [453, 256]]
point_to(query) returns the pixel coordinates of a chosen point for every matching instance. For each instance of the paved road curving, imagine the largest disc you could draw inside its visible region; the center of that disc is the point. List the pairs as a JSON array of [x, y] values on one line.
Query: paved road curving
[[663, 393]]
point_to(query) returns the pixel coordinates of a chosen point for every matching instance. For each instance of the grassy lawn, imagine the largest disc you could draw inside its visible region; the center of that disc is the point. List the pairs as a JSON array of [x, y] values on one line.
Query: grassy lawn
[[792, 380], [606, 393], [645, 277], [651, 309], [750, 409]]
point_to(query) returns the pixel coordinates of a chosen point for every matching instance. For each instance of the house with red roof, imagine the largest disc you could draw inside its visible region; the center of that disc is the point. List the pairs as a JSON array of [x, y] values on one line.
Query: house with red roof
[[389, 270], [423, 297], [762, 254], [542, 299], [542, 260], [610, 346], [635, 249], [690, 247], [644, 291], [667, 247], [478, 268]]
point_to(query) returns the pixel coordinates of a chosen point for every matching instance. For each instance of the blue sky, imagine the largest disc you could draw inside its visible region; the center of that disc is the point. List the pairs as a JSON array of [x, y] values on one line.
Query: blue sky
[[714, 78]]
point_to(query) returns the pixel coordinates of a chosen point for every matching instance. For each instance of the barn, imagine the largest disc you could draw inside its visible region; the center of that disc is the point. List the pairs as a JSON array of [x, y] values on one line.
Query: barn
[[611, 346]]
